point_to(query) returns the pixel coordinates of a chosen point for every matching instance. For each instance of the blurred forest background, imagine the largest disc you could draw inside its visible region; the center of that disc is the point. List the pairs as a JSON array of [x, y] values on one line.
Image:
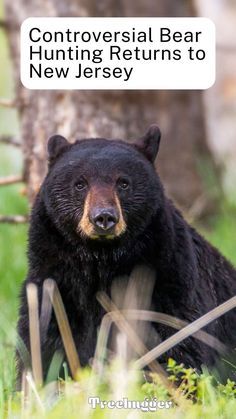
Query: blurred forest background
[[197, 161]]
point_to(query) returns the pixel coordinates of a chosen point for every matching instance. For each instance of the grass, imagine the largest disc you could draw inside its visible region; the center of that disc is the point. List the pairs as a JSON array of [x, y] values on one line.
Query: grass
[[201, 396], [221, 231], [12, 272]]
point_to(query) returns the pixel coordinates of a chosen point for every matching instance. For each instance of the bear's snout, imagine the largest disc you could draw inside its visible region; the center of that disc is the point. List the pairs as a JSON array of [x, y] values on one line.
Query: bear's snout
[[104, 219], [102, 215]]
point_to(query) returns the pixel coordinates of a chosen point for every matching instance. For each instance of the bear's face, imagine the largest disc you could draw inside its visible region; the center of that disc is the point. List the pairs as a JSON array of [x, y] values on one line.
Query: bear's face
[[102, 189]]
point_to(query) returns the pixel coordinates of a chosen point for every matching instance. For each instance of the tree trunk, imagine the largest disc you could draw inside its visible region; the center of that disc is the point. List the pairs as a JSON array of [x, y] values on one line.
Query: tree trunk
[[118, 114], [220, 100]]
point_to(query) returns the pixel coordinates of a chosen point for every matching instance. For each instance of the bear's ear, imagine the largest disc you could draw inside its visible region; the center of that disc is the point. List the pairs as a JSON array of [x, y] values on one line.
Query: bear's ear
[[56, 145], [149, 143]]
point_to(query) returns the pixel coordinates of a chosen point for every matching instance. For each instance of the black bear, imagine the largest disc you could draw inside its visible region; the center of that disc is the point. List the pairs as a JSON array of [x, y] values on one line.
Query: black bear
[[100, 212]]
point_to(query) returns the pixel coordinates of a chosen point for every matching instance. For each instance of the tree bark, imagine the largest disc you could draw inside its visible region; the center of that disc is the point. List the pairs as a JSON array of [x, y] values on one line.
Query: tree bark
[[220, 100], [117, 114]]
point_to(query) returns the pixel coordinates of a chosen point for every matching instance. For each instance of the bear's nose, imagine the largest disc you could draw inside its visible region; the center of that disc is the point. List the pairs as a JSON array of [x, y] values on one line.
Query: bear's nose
[[104, 218]]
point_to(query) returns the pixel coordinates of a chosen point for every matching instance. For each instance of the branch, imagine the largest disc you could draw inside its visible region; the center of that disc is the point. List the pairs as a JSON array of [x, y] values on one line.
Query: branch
[[226, 47], [7, 25], [8, 103], [7, 139], [9, 180], [14, 219], [3, 24]]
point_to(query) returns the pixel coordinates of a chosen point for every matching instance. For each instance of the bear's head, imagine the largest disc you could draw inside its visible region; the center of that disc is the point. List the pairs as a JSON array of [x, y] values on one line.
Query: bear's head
[[102, 190]]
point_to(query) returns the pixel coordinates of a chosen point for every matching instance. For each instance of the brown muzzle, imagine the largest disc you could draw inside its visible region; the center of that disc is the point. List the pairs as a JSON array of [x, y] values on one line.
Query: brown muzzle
[[102, 216]]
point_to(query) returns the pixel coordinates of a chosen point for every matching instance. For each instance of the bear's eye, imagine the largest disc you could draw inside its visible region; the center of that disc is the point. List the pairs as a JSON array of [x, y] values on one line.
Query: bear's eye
[[81, 184], [123, 183]]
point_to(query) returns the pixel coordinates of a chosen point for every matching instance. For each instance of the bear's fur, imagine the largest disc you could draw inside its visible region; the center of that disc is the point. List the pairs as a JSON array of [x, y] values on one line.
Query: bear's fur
[[94, 175]]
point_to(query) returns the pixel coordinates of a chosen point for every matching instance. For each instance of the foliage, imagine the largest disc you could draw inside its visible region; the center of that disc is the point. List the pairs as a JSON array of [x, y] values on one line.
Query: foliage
[[12, 271], [206, 398]]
